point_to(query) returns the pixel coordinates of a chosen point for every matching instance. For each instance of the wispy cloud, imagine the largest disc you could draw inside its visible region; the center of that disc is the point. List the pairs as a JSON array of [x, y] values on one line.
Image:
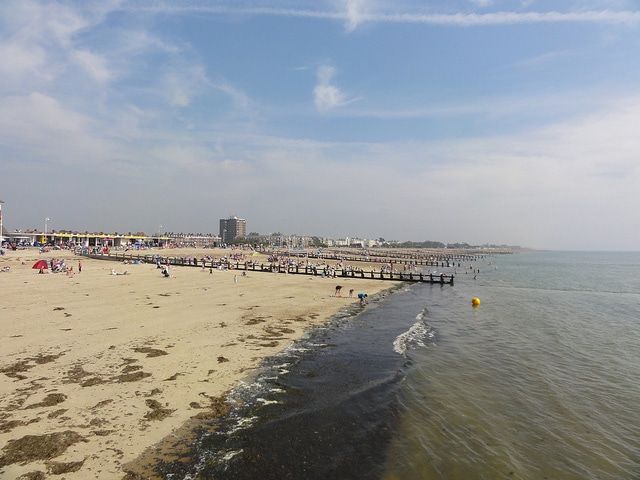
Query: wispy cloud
[[357, 12], [510, 18], [38, 43], [181, 84], [95, 65], [482, 3], [326, 94]]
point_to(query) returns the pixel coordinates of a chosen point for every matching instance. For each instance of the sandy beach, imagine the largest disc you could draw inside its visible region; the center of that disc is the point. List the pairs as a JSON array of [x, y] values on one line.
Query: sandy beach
[[103, 373]]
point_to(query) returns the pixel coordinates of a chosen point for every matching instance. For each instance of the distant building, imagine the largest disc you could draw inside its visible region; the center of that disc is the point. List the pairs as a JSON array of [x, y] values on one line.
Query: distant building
[[232, 228]]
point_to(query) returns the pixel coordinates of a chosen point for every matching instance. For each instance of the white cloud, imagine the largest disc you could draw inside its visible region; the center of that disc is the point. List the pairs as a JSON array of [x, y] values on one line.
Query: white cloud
[[356, 11], [38, 129], [568, 185], [178, 88], [19, 62], [510, 18], [241, 101], [482, 3], [326, 95], [38, 42], [38, 114], [95, 65]]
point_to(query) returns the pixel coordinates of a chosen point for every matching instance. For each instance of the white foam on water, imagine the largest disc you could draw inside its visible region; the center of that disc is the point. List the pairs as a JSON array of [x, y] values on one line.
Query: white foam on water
[[241, 424], [415, 337]]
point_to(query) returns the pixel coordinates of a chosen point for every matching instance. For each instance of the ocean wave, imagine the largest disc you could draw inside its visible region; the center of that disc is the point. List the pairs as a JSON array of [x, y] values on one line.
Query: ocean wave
[[418, 336]]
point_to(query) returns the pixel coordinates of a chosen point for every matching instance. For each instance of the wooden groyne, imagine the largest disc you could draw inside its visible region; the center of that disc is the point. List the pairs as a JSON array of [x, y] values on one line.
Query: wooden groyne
[[395, 257], [382, 260], [273, 267]]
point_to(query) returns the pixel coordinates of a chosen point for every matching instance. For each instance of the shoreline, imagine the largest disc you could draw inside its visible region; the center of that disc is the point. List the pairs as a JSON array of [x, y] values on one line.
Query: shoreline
[[179, 447], [123, 363]]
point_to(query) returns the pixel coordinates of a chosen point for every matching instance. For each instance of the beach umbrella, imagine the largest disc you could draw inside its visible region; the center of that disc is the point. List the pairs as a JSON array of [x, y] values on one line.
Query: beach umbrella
[[40, 264]]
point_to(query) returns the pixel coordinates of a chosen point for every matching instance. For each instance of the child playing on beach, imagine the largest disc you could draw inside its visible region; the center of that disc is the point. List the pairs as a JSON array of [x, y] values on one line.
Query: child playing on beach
[[363, 298]]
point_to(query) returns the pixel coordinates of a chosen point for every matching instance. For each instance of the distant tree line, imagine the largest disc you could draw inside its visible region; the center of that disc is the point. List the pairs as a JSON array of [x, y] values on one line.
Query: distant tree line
[[425, 244]]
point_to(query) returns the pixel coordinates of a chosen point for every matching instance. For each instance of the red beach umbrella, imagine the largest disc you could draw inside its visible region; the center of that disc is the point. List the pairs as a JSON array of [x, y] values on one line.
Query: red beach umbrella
[[40, 264]]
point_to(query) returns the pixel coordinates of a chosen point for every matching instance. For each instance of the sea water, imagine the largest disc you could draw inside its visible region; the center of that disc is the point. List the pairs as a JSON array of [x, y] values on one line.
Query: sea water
[[540, 381]]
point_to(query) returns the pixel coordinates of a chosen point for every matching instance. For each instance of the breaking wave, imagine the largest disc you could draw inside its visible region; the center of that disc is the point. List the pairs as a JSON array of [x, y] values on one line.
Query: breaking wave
[[418, 336]]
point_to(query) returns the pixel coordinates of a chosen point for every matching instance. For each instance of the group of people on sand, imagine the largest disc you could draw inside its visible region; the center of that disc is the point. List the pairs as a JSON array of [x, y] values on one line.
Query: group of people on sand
[[57, 266], [361, 296]]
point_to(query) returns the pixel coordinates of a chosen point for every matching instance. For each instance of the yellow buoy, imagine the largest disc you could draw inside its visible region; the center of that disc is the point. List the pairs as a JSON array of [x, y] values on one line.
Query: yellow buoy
[[475, 301]]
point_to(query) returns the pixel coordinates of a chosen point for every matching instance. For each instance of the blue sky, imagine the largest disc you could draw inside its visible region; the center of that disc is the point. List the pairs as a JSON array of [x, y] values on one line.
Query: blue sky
[[479, 121]]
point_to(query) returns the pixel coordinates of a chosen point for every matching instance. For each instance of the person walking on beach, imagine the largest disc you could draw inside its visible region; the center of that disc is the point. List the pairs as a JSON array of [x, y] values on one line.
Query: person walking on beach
[[338, 291], [79, 267]]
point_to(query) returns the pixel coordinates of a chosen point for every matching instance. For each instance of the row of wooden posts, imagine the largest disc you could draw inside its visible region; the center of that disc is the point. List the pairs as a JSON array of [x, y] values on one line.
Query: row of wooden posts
[[274, 267], [401, 259], [398, 261]]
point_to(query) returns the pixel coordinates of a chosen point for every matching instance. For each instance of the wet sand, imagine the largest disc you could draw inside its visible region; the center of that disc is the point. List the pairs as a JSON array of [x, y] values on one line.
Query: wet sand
[[101, 373]]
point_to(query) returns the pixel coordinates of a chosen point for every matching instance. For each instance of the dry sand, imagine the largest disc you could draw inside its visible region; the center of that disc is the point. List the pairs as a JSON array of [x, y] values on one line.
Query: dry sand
[[101, 373]]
